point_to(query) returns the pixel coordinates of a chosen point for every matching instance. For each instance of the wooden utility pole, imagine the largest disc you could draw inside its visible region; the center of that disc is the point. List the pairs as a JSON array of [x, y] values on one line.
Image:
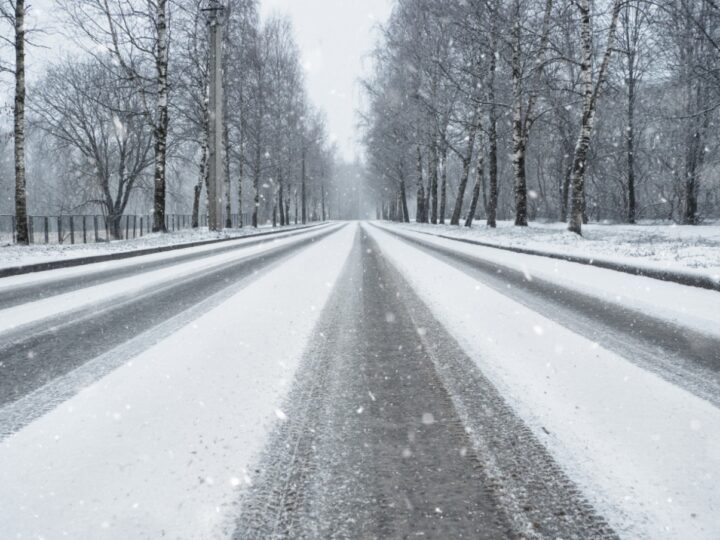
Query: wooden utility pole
[[216, 169]]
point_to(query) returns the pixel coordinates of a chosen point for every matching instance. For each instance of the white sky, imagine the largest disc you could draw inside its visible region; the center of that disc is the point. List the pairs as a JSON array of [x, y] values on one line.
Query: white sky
[[335, 38]]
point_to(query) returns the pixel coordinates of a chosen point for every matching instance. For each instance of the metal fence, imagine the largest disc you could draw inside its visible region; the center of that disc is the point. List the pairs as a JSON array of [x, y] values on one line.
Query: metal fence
[[88, 229]]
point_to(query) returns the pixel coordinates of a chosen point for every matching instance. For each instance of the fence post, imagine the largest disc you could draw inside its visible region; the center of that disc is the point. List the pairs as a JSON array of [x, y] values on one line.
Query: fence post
[[84, 230], [14, 227], [141, 226], [134, 226], [72, 230], [95, 227], [31, 230], [107, 230], [127, 226], [60, 235], [47, 229]]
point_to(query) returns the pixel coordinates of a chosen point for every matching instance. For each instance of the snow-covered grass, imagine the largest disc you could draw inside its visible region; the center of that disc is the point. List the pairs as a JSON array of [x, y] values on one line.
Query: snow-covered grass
[[14, 255], [644, 451], [161, 446], [664, 245]]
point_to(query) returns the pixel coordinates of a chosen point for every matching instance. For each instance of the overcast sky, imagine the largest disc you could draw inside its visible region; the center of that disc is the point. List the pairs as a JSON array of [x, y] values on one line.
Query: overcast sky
[[335, 37]]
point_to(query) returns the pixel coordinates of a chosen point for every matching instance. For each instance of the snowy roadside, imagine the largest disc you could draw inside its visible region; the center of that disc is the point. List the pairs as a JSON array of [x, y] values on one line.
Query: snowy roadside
[[644, 451], [689, 307], [13, 255], [161, 446], [678, 248], [87, 300]]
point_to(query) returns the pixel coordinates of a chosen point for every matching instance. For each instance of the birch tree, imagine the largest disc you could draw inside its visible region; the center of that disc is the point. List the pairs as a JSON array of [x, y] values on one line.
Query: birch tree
[[591, 90], [13, 13]]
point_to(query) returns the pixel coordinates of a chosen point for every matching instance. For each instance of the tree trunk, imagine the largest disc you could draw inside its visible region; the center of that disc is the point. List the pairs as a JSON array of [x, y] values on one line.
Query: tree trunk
[[296, 205], [240, 194], [202, 176], [630, 137], [256, 186], [303, 195], [476, 189], [420, 198], [492, 132], [403, 201], [443, 182], [518, 136], [322, 195], [467, 159], [590, 95], [161, 121], [695, 158], [281, 198], [433, 182], [522, 119], [19, 127]]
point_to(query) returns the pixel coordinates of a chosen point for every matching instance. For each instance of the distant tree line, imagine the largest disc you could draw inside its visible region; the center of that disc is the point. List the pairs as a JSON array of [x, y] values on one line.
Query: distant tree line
[[123, 124], [564, 110]]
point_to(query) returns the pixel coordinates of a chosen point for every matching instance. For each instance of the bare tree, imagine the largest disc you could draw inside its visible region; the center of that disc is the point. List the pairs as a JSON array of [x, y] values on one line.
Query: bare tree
[[135, 34]]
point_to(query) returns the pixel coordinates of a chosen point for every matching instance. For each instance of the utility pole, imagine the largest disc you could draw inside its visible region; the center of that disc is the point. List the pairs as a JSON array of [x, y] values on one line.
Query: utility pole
[[216, 171]]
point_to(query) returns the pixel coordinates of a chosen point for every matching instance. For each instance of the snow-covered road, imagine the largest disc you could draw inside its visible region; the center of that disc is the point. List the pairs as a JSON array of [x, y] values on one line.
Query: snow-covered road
[[360, 381]]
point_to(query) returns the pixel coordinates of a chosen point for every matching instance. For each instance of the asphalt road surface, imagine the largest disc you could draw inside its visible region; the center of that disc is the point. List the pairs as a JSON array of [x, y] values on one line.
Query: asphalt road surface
[[41, 352], [375, 447], [394, 431]]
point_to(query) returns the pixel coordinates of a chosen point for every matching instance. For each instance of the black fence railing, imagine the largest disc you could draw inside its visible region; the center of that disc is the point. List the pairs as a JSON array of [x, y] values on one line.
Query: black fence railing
[[89, 229]]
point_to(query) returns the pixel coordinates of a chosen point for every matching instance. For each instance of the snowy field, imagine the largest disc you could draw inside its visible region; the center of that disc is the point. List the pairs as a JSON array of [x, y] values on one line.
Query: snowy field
[[14, 255], [667, 246]]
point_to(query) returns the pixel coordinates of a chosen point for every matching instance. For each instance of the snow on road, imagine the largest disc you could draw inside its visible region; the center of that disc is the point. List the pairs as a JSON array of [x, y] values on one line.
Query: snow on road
[[17, 316], [645, 452], [161, 446], [687, 306]]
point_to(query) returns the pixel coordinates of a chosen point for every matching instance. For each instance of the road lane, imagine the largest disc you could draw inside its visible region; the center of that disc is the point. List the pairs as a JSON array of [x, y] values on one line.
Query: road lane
[[682, 355], [87, 276], [374, 446], [51, 348]]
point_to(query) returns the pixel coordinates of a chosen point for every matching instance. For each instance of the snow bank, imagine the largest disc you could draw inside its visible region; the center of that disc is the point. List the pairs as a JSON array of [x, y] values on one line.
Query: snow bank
[[161, 446], [666, 246], [645, 452]]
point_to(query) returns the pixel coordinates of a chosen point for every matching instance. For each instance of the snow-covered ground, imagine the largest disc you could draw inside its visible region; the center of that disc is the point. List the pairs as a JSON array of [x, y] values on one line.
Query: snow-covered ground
[[161, 446], [14, 255], [644, 451], [667, 246], [690, 307], [17, 316]]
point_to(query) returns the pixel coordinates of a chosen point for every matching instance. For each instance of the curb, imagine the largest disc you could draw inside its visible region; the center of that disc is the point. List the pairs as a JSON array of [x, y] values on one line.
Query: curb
[[81, 261], [683, 278]]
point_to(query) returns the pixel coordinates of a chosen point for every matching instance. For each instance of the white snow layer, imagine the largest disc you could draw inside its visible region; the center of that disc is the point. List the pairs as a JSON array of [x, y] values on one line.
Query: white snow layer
[[161, 446], [690, 307], [116, 290], [666, 246], [14, 255], [645, 452]]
